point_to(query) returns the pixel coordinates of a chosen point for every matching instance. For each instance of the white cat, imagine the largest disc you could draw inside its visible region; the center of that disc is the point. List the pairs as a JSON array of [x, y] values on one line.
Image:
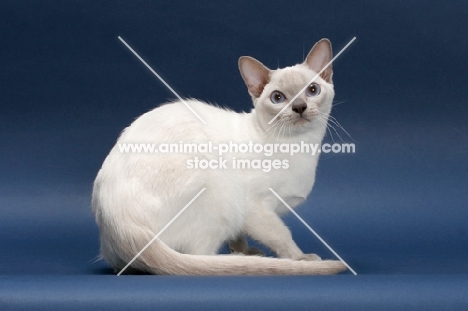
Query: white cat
[[136, 194]]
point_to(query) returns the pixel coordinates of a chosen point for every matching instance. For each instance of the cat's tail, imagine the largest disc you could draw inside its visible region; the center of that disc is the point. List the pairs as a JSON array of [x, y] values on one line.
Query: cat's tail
[[158, 258]]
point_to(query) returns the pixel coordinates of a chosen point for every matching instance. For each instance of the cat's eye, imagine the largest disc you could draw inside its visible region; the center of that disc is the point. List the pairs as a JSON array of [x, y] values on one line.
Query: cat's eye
[[313, 90], [277, 97]]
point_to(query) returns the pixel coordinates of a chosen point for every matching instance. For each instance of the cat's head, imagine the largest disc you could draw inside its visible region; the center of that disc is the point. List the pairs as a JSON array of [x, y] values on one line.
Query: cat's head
[[273, 90]]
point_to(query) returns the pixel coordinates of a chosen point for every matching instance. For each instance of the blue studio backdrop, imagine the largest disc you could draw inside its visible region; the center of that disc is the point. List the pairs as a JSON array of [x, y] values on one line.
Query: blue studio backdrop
[[395, 210]]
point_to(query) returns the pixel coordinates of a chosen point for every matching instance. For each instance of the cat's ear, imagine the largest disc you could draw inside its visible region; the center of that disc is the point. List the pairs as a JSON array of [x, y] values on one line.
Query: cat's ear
[[255, 75], [319, 56]]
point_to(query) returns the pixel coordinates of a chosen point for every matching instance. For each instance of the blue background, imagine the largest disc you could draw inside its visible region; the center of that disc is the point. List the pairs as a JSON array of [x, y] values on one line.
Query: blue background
[[396, 210]]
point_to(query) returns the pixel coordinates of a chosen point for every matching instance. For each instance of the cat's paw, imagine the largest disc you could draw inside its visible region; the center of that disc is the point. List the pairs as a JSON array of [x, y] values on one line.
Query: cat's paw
[[309, 257], [255, 251]]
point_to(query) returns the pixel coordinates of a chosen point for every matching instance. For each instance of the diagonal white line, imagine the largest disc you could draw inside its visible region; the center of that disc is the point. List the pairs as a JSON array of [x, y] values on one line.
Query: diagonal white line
[[160, 232], [162, 80], [313, 79], [313, 231]]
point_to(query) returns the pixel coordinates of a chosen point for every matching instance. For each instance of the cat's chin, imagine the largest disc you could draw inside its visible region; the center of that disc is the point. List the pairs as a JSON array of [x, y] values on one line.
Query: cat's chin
[[301, 121], [306, 124]]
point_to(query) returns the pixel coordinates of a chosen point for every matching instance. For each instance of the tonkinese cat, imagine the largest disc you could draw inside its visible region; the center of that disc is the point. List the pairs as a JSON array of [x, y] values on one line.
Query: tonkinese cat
[[136, 194]]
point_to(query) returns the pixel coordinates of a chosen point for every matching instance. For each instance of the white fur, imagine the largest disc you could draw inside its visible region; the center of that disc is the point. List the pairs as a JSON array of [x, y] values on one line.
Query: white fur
[[136, 195]]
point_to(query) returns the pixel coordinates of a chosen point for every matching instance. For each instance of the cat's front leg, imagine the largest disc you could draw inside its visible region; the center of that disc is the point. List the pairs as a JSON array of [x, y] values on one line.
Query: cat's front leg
[[265, 226], [240, 245]]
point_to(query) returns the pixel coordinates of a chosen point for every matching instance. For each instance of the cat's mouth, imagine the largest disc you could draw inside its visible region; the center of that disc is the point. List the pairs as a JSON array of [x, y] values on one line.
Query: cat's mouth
[[301, 120]]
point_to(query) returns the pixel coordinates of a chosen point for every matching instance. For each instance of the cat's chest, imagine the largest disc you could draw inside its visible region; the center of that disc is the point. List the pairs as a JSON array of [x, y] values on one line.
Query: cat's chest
[[298, 178], [293, 181]]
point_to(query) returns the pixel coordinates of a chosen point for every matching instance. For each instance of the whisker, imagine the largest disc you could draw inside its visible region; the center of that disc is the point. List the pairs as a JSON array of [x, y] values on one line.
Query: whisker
[[273, 127], [335, 121], [336, 132], [324, 121], [339, 103], [279, 132]]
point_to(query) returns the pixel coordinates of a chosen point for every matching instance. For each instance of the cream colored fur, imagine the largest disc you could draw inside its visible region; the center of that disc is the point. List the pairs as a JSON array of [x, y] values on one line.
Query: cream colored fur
[[136, 195]]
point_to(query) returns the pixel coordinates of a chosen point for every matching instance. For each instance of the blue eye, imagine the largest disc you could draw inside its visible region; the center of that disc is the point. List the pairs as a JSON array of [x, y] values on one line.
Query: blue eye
[[277, 97], [313, 90]]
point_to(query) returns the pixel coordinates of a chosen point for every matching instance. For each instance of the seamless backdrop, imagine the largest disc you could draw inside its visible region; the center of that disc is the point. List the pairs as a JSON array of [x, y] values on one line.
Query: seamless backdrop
[[397, 207]]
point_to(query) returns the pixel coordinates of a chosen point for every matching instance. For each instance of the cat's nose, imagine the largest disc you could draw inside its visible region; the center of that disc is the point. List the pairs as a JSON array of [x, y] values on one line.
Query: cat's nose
[[299, 107]]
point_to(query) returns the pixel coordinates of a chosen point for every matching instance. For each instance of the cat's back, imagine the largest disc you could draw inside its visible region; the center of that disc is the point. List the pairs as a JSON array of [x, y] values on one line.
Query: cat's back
[[138, 157], [139, 163], [183, 121]]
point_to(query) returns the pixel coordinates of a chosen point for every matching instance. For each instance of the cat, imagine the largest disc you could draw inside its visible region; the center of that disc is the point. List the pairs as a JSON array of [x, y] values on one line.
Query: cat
[[136, 194]]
